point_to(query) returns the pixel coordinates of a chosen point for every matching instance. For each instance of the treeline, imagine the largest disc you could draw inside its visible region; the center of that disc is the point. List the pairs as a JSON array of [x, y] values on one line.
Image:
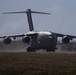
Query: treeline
[[19, 46], [67, 47], [15, 46]]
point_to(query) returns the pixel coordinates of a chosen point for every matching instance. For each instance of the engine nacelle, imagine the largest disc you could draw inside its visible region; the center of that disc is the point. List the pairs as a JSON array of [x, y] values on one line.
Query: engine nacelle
[[65, 39], [26, 39], [7, 40]]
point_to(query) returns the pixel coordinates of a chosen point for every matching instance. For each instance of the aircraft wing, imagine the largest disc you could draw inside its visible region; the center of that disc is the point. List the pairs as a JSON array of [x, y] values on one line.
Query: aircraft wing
[[62, 35], [14, 36], [22, 35]]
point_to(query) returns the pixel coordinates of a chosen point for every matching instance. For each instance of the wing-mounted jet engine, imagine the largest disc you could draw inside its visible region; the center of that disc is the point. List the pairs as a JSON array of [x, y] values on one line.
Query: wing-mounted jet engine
[[26, 39], [66, 39], [7, 40]]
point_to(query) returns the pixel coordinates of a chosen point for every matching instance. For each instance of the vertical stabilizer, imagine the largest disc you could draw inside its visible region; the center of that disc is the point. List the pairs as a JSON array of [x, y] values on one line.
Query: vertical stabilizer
[[29, 18]]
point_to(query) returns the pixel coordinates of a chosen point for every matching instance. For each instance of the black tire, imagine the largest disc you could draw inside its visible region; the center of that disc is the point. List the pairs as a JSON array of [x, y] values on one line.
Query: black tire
[[30, 49], [51, 50]]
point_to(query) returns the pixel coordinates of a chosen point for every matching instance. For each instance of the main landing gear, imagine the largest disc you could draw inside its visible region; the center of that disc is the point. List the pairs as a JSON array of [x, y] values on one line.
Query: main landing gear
[[30, 49], [52, 49]]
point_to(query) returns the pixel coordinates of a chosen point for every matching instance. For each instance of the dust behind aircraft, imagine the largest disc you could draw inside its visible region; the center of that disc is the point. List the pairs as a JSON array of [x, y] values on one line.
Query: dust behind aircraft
[[37, 40]]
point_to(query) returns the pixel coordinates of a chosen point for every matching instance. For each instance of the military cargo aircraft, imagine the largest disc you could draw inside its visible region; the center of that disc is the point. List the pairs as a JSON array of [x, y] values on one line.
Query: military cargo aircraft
[[45, 40]]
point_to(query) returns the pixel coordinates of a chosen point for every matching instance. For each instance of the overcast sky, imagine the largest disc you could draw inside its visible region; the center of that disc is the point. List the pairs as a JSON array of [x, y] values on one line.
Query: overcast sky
[[62, 19]]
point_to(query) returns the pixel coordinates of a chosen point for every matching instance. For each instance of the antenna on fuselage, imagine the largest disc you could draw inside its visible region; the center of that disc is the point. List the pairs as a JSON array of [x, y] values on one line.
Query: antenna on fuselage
[[29, 16]]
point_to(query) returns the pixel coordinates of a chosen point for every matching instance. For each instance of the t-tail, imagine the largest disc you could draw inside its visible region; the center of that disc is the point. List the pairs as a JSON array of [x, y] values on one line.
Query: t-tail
[[29, 16]]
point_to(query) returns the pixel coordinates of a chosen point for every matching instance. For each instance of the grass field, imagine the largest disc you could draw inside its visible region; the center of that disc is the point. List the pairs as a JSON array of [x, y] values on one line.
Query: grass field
[[37, 63]]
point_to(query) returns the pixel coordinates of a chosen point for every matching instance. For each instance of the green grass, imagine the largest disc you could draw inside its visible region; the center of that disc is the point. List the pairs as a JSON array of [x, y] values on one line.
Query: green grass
[[37, 63]]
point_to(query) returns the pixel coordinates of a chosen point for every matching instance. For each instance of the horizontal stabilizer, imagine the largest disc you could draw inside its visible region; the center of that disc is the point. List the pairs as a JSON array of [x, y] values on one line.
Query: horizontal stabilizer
[[14, 12], [40, 12], [28, 10]]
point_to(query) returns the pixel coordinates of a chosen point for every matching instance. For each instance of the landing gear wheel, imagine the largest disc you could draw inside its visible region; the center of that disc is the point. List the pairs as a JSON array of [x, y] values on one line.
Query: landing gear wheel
[[51, 50], [30, 49]]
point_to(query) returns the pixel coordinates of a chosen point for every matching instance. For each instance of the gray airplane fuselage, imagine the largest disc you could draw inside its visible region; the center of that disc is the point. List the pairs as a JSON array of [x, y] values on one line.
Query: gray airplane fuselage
[[43, 40]]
